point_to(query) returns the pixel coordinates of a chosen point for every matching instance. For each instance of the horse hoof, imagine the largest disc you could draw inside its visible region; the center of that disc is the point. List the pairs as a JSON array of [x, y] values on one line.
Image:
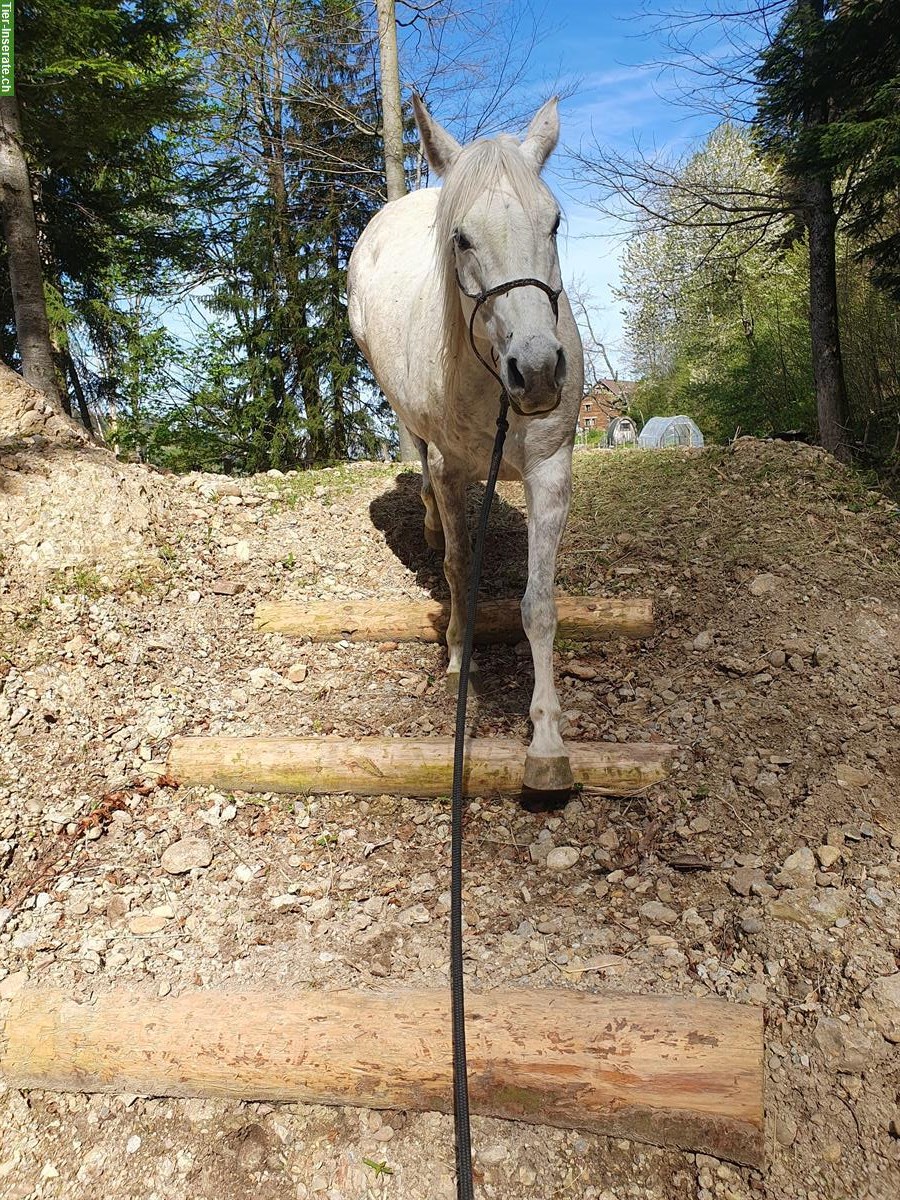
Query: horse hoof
[[544, 802], [548, 774], [435, 538], [474, 689]]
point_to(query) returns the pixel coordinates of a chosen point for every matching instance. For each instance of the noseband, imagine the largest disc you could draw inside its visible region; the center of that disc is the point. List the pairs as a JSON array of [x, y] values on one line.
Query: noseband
[[501, 289]]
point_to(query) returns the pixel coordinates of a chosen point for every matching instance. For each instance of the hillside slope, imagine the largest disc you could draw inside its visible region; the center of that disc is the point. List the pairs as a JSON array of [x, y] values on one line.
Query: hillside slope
[[775, 668]]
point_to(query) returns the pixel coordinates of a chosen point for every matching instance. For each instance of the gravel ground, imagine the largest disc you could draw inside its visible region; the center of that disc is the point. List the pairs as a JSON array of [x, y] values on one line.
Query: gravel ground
[[766, 870]]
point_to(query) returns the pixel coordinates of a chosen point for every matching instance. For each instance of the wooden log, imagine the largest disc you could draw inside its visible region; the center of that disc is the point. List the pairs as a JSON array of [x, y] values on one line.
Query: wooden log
[[372, 766], [666, 1070], [584, 618]]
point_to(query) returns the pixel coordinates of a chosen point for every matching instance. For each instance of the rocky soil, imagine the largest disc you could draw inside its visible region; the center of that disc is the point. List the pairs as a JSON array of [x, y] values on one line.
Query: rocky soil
[[766, 870]]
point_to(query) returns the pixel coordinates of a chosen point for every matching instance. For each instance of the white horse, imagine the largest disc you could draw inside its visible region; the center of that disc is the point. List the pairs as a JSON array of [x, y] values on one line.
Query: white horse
[[416, 275]]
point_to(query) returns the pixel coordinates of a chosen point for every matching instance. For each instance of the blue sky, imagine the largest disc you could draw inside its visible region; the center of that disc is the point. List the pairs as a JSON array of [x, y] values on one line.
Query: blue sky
[[609, 52], [604, 52]]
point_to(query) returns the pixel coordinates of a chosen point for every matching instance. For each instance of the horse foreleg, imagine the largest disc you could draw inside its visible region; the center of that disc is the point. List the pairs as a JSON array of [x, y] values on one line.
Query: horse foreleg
[[434, 533], [449, 484], [548, 490]]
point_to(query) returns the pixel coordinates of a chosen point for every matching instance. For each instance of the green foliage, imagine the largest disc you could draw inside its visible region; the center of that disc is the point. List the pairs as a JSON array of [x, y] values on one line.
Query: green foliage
[[841, 63], [104, 90], [715, 314], [295, 150]]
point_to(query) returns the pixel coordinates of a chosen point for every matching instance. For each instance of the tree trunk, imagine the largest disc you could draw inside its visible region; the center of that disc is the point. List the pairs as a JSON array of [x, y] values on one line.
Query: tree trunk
[[828, 369], [25, 275], [83, 410], [818, 199], [392, 132]]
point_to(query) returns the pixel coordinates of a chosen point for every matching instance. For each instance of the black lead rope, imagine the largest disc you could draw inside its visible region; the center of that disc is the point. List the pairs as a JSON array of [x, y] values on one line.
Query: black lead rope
[[465, 1186]]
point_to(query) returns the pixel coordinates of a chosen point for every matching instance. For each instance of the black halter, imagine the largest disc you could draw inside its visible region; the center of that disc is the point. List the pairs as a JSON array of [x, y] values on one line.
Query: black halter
[[501, 289]]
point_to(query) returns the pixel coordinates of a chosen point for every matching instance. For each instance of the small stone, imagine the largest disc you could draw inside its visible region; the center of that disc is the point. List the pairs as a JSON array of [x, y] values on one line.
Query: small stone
[[832, 1152], [194, 597], [829, 907], [243, 873], [560, 858], [744, 878], [658, 913], [320, 910], [846, 1047], [580, 670], [785, 1129], [751, 923], [17, 716], [226, 587], [851, 777], [827, 856], [286, 903], [116, 907], [763, 585], [186, 855], [882, 1002], [298, 672], [798, 869], [146, 924], [241, 551], [792, 906], [133, 1144], [492, 1156], [12, 984], [703, 640], [777, 658]]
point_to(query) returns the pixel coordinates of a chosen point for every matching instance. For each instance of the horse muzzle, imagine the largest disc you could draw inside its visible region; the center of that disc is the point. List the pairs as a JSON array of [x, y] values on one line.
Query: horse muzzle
[[534, 374]]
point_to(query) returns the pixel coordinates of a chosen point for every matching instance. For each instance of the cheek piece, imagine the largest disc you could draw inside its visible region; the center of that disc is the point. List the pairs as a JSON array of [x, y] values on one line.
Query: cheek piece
[[501, 289]]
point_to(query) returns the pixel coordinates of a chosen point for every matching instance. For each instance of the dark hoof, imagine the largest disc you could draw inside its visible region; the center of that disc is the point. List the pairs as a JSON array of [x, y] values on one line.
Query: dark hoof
[[543, 802], [452, 678], [550, 774], [435, 538]]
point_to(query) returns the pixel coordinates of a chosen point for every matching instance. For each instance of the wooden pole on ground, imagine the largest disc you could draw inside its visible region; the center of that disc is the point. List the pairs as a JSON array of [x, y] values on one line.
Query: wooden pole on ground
[[666, 1070], [582, 618], [372, 766]]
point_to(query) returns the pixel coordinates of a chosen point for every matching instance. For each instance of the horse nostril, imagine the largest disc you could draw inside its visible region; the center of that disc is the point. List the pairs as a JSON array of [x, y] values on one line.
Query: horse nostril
[[516, 378], [561, 369]]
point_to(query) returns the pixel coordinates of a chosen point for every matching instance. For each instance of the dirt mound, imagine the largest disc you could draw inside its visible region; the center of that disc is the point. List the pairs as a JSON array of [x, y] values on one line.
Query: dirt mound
[[766, 869], [27, 414]]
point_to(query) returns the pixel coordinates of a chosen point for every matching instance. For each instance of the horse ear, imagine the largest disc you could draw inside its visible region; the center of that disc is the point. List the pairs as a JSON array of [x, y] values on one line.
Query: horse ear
[[543, 134], [440, 147]]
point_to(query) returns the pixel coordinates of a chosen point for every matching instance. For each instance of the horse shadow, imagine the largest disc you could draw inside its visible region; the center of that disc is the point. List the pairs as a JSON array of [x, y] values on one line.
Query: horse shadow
[[506, 678], [399, 514]]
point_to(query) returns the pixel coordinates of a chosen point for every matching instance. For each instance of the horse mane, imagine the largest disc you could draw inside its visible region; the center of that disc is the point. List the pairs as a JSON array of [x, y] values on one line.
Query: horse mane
[[480, 167]]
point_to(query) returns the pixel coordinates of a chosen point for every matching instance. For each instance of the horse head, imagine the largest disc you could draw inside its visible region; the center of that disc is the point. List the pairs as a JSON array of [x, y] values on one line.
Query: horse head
[[496, 226]]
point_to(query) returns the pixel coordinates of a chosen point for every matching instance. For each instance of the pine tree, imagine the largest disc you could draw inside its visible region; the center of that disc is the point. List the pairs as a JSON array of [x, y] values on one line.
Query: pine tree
[[297, 125], [104, 90]]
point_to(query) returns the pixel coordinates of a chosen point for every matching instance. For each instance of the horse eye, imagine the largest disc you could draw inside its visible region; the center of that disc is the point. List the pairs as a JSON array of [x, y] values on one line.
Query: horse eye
[[555, 229], [462, 242]]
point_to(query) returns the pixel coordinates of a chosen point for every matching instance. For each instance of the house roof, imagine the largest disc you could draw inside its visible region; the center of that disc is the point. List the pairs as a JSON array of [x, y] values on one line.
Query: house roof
[[616, 387]]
